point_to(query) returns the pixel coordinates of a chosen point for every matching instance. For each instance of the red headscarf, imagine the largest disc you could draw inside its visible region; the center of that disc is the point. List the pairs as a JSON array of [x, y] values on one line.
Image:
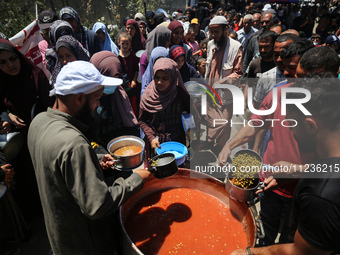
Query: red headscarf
[[138, 41], [173, 26], [154, 100]]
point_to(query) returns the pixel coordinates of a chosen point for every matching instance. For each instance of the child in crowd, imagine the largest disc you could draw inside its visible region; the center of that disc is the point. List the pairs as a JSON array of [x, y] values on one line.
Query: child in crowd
[[201, 66], [129, 62], [190, 38], [203, 48], [233, 35]]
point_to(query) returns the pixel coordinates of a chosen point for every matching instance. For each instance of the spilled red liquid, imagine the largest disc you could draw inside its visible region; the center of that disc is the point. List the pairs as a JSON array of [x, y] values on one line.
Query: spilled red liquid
[[184, 221]]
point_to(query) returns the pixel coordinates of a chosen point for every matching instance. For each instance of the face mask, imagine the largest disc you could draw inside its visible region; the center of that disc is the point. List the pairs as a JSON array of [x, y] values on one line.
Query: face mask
[[108, 90], [315, 43]]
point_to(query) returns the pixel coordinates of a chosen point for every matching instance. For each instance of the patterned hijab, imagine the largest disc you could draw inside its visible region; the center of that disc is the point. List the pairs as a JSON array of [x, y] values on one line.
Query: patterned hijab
[[158, 52], [108, 64], [73, 46], [58, 29], [108, 44], [80, 34], [154, 100], [138, 41]]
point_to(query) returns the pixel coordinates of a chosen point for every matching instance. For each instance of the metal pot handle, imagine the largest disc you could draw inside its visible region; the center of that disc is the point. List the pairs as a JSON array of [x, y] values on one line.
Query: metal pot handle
[[152, 169], [259, 229], [258, 197]]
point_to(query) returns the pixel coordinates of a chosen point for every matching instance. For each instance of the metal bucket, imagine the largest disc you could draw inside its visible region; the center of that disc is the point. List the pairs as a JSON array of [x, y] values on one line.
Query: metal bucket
[[241, 194], [185, 178]]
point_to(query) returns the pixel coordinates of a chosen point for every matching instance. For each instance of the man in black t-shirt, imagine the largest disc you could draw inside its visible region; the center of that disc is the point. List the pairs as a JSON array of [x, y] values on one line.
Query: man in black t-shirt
[[265, 62], [316, 203]]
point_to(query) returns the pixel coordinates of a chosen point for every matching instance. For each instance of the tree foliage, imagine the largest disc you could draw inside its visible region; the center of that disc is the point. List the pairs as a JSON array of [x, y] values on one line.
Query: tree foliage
[[16, 15]]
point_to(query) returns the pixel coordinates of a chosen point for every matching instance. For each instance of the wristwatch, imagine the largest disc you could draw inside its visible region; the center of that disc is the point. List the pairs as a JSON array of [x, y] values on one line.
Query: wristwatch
[[248, 251]]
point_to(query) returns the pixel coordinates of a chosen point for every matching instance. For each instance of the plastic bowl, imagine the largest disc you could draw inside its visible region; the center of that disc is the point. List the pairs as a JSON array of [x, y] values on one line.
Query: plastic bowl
[[178, 149]]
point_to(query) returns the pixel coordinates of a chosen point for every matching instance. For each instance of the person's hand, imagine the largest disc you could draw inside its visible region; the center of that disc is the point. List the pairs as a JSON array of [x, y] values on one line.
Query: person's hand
[[224, 155], [5, 127], [288, 170], [133, 84], [144, 173], [239, 252], [269, 184], [19, 123], [155, 144], [9, 174], [107, 162]]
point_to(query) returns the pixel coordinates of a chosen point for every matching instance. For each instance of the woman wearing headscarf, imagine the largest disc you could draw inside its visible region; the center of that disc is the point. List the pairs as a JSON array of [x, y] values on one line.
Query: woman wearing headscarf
[[177, 35], [162, 104], [122, 29], [24, 92], [157, 53], [57, 29], [142, 28], [190, 13], [117, 117], [68, 49], [150, 21], [167, 18], [139, 16], [159, 18], [23, 85], [177, 53], [85, 36], [104, 38], [138, 41], [160, 36]]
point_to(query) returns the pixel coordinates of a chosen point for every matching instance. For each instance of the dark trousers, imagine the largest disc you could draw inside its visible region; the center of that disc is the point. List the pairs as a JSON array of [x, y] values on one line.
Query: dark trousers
[[274, 210]]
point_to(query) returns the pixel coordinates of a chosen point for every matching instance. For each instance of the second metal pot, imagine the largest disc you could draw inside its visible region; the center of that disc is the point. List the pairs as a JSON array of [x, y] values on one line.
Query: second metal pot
[[241, 194], [163, 165], [126, 162]]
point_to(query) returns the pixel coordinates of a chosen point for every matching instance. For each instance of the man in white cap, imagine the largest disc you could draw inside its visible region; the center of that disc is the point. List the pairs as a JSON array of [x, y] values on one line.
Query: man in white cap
[[78, 205], [224, 61]]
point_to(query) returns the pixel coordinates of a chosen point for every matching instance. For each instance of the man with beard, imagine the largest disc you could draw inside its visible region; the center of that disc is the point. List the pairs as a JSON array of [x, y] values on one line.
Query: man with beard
[[224, 60], [78, 205], [265, 62], [316, 204]]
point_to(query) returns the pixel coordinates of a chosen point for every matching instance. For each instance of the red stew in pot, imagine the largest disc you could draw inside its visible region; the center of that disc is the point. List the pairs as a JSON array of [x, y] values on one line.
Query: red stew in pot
[[184, 221]]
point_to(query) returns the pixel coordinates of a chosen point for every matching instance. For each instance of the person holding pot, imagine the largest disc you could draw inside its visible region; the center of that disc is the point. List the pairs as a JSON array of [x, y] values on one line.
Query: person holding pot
[[316, 204], [162, 104], [77, 203]]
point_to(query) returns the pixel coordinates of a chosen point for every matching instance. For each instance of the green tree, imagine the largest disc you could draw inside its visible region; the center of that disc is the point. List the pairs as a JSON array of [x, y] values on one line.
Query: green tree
[[17, 14]]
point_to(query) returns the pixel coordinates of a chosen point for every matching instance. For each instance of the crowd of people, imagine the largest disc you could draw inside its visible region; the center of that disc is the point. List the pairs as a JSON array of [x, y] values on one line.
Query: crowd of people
[[95, 88]]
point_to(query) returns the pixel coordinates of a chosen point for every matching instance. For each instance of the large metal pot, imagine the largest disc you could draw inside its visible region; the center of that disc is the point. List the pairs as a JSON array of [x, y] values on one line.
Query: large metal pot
[[185, 178], [241, 194], [126, 162]]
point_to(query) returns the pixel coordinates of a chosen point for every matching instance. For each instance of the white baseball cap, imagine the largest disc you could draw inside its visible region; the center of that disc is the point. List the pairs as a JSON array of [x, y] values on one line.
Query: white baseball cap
[[81, 77]]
